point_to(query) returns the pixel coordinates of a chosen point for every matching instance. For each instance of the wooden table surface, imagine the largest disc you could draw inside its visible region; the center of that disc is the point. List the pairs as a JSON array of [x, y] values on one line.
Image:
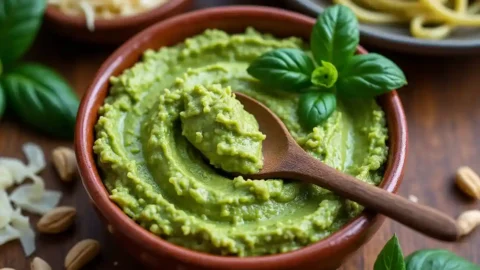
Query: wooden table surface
[[441, 101]]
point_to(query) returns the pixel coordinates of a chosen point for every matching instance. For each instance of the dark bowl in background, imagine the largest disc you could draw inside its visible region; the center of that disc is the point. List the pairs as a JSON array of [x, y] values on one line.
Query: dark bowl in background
[[111, 31]]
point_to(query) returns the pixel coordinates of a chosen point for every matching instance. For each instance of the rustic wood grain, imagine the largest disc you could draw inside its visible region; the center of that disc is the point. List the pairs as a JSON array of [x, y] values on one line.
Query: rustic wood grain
[[442, 104]]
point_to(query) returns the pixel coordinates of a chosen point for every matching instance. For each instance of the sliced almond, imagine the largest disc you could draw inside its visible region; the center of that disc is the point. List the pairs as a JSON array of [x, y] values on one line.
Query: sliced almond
[[57, 220], [81, 254], [39, 264], [65, 163]]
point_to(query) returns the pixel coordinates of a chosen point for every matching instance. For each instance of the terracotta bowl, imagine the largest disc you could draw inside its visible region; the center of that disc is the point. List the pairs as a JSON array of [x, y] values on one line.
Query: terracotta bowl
[[160, 254], [112, 31]]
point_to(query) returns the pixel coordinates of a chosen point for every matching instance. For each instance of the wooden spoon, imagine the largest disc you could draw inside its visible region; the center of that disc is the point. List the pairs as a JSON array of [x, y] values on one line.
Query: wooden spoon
[[285, 159]]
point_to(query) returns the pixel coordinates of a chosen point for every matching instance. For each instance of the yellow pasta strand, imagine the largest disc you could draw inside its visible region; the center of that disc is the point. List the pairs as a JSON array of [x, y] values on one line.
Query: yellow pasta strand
[[395, 5], [368, 16], [450, 14], [419, 30]]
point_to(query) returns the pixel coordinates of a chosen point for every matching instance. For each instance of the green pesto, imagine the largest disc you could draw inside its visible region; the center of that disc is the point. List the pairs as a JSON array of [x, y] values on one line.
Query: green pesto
[[160, 179], [216, 124]]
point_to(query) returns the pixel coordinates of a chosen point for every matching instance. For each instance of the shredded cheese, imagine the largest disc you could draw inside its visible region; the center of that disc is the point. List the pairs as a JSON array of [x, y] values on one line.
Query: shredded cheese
[[35, 157], [104, 9], [6, 209], [8, 234], [6, 178], [17, 169], [26, 234], [89, 15], [32, 197], [22, 197]]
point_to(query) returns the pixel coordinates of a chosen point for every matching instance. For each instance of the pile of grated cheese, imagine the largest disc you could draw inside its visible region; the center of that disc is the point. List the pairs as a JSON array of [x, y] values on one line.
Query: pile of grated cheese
[[31, 197], [104, 9]]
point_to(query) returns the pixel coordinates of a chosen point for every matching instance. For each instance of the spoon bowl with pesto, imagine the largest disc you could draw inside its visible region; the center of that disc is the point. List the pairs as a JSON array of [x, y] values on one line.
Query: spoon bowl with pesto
[[283, 158]]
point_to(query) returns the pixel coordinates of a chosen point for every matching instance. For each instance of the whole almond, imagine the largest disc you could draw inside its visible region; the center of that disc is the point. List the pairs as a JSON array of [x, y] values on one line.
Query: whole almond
[[468, 221], [57, 220], [81, 254], [468, 181], [65, 163], [39, 264]]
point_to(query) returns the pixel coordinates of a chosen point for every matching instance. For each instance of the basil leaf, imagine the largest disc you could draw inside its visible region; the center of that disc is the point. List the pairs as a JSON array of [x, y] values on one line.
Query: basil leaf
[[20, 21], [438, 259], [369, 75], [2, 101], [391, 256], [41, 98], [335, 35], [325, 75], [315, 107], [286, 69]]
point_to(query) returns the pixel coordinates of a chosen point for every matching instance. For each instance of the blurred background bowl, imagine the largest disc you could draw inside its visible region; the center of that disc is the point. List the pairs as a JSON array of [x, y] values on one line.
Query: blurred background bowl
[[111, 31], [397, 37]]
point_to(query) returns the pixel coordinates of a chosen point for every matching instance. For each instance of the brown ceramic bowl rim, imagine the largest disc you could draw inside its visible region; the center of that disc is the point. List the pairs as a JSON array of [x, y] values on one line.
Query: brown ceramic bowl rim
[[87, 117], [57, 15]]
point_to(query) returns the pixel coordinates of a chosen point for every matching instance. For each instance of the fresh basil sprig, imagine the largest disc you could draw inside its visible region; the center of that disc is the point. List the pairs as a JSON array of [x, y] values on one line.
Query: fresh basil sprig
[[391, 258], [437, 259], [289, 69], [335, 69], [325, 75], [335, 35], [368, 75], [20, 21], [41, 98], [37, 94], [316, 107]]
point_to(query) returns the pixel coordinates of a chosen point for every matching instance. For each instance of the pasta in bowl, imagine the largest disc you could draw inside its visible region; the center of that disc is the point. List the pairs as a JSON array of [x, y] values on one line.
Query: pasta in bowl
[[444, 15], [418, 26]]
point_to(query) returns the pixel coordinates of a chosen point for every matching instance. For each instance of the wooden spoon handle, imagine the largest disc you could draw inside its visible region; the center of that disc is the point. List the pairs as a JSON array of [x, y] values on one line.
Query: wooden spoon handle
[[416, 216]]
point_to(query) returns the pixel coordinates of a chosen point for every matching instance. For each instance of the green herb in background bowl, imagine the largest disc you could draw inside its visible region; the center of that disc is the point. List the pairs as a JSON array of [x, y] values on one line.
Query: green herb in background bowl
[[391, 258], [36, 94], [335, 69]]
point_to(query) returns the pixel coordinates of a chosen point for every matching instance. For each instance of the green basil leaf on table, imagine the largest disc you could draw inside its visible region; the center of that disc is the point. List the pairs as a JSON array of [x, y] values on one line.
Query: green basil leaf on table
[[325, 75], [41, 98], [335, 36], [438, 259], [286, 69], [315, 107], [20, 21], [391, 256], [369, 75]]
